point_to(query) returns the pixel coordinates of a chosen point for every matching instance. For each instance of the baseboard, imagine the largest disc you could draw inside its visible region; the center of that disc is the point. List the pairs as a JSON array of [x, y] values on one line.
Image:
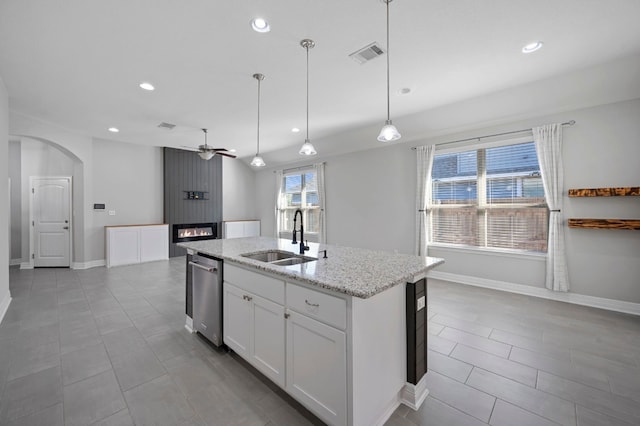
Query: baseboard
[[4, 305], [577, 299], [26, 265], [189, 324], [388, 412], [88, 265], [414, 395], [14, 262]]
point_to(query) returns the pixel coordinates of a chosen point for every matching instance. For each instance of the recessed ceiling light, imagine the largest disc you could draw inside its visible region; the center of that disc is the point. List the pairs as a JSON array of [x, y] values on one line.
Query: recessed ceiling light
[[532, 47], [232, 150], [147, 86], [114, 129], [295, 130], [260, 25]]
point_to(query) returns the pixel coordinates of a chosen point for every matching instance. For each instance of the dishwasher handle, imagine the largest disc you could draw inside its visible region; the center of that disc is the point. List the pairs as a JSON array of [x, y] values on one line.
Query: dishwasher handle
[[204, 268]]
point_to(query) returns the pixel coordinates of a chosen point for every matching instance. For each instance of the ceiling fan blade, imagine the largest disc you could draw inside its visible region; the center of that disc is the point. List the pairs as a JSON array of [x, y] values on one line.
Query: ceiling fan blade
[[220, 149], [189, 148], [225, 154]]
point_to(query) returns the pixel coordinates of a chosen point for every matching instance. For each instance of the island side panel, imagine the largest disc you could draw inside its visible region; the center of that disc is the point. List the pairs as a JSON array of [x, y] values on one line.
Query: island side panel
[[378, 355], [416, 330]]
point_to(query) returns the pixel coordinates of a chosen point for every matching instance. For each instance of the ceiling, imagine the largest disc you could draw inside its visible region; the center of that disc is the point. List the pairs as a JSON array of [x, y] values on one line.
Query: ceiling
[[78, 63]]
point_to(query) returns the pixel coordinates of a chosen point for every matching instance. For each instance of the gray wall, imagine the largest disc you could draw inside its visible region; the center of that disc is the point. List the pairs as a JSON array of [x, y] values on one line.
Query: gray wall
[[16, 201], [4, 196], [42, 159], [371, 204], [186, 171], [238, 191], [127, 178]]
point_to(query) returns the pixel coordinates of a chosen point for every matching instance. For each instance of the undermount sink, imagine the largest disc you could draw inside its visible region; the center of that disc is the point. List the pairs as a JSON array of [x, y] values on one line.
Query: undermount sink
[[278, 257]]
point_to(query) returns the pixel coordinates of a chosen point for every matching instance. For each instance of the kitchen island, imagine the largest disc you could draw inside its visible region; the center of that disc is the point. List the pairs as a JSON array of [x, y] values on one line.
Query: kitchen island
[[332, 332]]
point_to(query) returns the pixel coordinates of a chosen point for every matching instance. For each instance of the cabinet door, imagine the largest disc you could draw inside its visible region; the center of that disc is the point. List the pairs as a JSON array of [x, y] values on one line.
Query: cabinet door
[[123, 246], [316, 367], [154, 243], [237, 320], [267, 349]]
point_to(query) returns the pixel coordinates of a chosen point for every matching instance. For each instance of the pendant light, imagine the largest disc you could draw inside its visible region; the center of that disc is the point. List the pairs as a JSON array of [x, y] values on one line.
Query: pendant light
[[257, 160], [307, 148], [389, 133]]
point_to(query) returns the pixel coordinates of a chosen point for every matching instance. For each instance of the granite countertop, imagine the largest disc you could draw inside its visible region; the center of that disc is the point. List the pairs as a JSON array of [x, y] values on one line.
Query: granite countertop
[[354, 271]]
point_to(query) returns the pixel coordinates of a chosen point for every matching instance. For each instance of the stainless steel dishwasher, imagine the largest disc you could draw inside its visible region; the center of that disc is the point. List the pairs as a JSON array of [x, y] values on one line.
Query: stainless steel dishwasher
[[207, 297]]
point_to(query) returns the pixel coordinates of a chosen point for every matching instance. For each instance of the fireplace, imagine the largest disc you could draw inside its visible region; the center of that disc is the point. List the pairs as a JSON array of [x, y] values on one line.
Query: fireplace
[[194, 232]]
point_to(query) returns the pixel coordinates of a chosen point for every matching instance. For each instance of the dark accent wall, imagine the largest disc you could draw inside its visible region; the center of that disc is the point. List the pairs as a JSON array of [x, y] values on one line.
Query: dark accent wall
[[416, 332], [185, 171]]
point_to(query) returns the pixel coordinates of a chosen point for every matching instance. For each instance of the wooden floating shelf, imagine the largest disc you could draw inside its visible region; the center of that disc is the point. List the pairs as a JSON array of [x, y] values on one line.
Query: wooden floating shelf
[[606, 192], [605, 223]]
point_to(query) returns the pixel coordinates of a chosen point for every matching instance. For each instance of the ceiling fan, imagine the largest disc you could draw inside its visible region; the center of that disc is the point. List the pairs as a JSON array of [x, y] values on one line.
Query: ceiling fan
[[206, 152]]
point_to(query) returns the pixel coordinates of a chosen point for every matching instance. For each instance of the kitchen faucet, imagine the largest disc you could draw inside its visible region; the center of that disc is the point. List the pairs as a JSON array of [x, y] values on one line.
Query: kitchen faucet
[[303, 247]]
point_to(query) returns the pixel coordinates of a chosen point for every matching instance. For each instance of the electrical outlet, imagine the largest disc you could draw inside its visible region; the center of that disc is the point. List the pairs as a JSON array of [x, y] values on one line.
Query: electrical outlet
[[112, 212], [421, 303]]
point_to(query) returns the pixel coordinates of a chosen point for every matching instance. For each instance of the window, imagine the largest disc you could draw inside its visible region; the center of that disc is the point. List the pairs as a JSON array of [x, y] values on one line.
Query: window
[[490, 197], [299, 190]]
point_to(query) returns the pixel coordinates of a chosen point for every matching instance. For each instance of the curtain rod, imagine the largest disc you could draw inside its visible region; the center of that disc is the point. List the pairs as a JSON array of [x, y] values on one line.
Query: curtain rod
[[293, 169], [568, 123]]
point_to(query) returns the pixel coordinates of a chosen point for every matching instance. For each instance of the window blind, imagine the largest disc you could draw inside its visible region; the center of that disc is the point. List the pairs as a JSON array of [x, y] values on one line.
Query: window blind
[[489, 197]]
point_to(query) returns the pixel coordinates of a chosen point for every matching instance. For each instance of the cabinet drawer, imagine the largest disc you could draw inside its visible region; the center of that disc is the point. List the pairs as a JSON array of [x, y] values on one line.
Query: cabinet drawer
[[267, 287], [323, 307]]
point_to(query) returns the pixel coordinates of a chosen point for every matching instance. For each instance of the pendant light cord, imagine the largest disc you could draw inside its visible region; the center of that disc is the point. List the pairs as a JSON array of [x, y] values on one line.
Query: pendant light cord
[[388, 50], [258, 132], [307, 48]]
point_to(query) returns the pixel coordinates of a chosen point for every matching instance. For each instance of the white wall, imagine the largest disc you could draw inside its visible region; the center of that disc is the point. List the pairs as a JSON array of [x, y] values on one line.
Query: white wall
[[371, 203], [5, 296], [238, 191]]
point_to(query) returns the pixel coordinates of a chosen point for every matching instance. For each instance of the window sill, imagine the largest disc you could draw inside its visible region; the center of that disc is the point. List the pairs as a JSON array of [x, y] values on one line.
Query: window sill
[[490, 252]]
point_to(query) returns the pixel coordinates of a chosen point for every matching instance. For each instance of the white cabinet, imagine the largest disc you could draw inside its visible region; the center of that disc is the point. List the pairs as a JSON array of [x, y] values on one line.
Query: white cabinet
[[236, 319], [254, 323], [241, 228], [317, 367], [304, 351], [126, 245]]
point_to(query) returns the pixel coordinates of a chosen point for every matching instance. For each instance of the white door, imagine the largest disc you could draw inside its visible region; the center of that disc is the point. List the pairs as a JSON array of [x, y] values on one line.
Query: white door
[[51, 222]]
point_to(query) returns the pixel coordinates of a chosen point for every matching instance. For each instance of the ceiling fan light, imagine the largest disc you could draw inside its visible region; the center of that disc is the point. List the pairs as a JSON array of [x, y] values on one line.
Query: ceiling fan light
[[258, 161], [307, 148], [206, 155], [389, 133]]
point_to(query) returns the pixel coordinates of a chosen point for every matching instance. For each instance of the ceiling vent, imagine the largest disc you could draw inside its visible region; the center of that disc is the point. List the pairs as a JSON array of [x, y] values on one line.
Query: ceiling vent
[[367, 53], [167, 126]]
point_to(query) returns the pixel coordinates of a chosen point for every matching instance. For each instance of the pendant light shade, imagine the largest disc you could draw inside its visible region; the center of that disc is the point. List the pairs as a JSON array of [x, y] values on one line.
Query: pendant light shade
[[307, 148], [257, 160], [389, 133]]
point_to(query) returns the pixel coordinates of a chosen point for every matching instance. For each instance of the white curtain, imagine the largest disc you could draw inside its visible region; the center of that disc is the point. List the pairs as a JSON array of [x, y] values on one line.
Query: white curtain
[[322, 232], [425, 156], [548, 141], [280, 189]]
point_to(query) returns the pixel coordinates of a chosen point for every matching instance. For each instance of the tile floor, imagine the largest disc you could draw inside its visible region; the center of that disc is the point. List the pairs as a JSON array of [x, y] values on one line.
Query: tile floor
[[108, 347]]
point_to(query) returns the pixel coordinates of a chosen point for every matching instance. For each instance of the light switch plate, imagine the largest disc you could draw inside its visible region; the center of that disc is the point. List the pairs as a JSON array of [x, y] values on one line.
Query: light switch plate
[[421, 303], [112, 212]]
